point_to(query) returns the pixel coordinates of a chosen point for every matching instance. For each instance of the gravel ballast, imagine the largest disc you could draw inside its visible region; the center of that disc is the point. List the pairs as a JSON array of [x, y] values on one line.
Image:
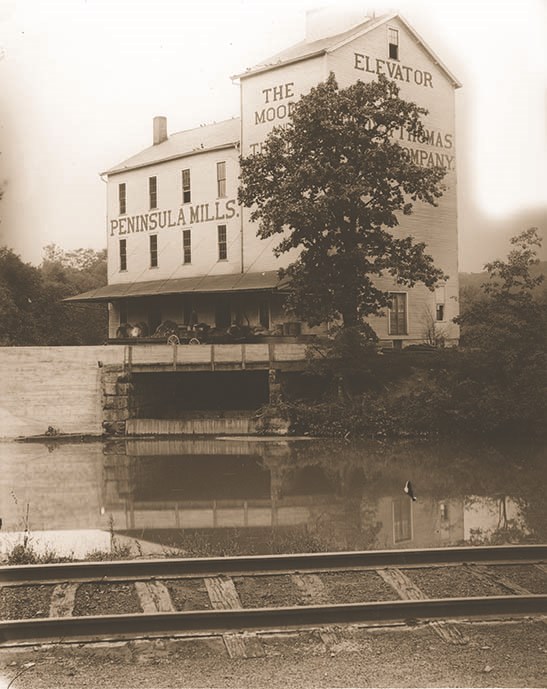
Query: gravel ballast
[[452, 582], [497, 655], [24, 602], [267, 591], [106, 599], [188, 594]]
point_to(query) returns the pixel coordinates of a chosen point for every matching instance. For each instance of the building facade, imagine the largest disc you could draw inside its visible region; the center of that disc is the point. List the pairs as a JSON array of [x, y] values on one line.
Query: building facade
[[180, 249]]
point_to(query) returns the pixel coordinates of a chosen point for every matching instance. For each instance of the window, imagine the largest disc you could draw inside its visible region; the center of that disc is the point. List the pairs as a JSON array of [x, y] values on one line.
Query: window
[[124, 318], [397, 314], [153, 191], [186, 194], [264, 313], [402, 520], [154, 318], [186, 246], [223, 313], [221, 180], [440, 300], [393, 43], [121, 198], [222, 243], [189, 314], [153, 251], [123, 254]]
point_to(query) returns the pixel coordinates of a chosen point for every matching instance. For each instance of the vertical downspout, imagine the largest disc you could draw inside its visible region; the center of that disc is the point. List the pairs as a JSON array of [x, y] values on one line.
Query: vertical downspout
[[240, 154]]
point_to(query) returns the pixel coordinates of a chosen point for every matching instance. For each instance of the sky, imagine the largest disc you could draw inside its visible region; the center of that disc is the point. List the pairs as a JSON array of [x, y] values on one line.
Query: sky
[[81, 80]]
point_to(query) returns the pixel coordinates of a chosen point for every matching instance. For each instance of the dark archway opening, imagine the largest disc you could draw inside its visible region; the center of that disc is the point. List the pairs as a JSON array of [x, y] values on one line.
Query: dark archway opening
[[172, 395]]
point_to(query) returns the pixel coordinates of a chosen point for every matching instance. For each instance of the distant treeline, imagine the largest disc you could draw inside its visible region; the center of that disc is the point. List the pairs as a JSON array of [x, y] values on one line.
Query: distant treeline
[[32, 311]]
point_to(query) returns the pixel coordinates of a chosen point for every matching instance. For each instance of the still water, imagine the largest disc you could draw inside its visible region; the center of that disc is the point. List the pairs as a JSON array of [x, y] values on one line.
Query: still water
[[209, 496]]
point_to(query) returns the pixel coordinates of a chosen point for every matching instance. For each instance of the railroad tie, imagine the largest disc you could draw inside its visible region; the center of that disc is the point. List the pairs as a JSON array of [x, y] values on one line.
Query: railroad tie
[[62, 600], [490, 577], [314, 592], [224, 596], [407, 590], [154, 597]]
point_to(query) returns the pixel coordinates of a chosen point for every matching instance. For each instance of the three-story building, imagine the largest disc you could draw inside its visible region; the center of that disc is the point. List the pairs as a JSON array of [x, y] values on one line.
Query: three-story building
[[181, 249]]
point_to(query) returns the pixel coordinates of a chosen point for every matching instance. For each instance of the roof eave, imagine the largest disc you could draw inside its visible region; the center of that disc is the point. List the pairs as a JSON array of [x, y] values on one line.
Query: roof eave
[[277, 65], [166, 159]]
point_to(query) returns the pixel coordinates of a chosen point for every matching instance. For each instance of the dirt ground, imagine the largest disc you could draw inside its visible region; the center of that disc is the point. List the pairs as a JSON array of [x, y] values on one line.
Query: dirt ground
[[508, 654]]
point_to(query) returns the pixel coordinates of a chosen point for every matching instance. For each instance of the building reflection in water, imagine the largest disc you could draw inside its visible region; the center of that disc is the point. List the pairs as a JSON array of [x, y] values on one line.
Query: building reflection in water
[[251, 495], [167, 486]]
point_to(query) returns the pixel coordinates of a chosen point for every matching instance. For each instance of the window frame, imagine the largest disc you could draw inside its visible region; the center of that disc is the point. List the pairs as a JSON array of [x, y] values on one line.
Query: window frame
[[123, 310], [264, 308], [186, 188], [390, 44], [403, 529], [396, 332], [122, 198], [153, 192], [222, 244], [440, 303], [440, 313], [221, 179], [186, 246], [153, 239], [122, 255]]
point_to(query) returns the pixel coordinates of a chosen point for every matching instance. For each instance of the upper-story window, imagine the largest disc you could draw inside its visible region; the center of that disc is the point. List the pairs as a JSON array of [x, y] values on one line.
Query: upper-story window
[[153, 192], [222, 243], [153, 251], [122, 198], [186, 192], [393, 43], [221, 180], [186, 246], [123, 254]]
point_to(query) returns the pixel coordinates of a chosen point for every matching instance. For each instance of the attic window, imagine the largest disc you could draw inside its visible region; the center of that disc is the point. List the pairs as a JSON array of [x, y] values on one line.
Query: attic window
[[393, 43]]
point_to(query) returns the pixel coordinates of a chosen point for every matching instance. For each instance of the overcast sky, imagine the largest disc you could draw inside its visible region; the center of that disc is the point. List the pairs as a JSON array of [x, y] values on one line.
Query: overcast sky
[[81, 80]]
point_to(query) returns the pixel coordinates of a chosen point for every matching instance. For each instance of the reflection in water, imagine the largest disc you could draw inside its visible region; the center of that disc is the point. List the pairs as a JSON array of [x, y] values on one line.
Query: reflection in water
[[210, 495]]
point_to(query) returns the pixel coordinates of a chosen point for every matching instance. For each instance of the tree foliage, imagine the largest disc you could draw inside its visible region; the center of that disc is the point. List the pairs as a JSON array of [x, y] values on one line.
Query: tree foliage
[[508, 319], [31, 308], [333, 183]]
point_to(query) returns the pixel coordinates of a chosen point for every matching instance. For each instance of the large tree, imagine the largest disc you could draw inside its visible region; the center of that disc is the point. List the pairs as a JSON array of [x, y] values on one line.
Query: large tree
[[333, 183]]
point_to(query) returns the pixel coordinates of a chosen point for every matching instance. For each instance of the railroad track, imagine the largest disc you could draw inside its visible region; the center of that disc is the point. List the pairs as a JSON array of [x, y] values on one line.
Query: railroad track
[[234, 595]]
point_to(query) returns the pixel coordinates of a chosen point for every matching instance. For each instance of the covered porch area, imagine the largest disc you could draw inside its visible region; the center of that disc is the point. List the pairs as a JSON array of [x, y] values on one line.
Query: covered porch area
[[210, 309]]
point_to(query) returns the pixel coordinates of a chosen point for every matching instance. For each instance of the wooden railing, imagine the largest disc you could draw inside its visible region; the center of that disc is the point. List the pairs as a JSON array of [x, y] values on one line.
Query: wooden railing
[[214, 356]]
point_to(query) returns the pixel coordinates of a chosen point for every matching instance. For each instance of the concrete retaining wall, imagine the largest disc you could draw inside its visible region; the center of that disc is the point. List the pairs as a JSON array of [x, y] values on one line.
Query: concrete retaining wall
[[52, 386]]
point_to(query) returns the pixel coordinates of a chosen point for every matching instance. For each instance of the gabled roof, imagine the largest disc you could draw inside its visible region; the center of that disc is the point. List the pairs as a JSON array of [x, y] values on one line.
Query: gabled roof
[[189, 142], [306, 50]]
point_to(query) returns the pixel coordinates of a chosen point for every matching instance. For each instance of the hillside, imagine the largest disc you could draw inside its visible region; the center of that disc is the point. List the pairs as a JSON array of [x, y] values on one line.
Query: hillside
[[473, 281]]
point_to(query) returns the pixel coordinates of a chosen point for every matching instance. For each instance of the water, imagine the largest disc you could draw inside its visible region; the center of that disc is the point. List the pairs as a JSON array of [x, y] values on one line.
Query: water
[[234, 496]]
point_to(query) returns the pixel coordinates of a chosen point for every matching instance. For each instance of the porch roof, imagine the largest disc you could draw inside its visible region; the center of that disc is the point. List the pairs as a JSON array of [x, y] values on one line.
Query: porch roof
[[202, 284]]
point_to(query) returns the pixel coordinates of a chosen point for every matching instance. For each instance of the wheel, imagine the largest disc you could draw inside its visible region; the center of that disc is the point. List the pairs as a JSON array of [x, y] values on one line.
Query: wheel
[[173, 339], [194, 340]]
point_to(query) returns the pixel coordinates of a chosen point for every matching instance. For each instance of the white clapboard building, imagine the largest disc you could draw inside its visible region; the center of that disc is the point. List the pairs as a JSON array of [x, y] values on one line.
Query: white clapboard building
[[181, 249]]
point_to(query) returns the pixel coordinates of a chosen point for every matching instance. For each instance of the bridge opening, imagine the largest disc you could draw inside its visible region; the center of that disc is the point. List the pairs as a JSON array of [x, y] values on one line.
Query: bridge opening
[[173, 395]]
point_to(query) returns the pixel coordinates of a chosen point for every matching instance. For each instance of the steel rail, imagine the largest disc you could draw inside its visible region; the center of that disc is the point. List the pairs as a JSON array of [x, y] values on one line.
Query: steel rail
[[126, 570], [172, 623]]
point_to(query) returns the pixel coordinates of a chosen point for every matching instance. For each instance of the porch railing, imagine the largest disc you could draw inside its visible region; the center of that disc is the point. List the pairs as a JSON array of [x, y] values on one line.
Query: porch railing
[[212, 356]]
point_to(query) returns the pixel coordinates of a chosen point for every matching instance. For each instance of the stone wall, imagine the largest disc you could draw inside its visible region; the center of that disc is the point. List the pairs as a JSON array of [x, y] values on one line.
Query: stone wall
[[52, 386]]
